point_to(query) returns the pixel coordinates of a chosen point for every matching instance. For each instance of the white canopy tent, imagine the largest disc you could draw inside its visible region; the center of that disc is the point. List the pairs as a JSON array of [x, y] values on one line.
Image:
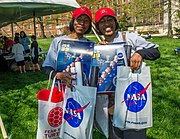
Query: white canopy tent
[[12, 11]]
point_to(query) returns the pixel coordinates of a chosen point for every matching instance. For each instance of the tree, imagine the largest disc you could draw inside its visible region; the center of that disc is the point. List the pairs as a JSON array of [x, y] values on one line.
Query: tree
[[142, 11], [123, 23], [178, 19], [170, 32], [170, 7], [40, 21]]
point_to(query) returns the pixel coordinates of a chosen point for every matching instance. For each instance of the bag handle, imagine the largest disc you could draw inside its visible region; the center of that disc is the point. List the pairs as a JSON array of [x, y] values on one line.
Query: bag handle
[[50, 74], [50, 95], [143, 64], [60, 88]]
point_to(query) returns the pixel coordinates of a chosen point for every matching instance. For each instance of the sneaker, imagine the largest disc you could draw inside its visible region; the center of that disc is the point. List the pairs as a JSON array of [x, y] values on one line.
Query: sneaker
[[24, 71]]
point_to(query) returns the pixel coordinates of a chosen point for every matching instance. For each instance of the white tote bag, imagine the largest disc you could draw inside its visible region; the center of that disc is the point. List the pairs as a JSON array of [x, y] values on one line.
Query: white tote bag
[[50, 112], [79, 112], [101, 115], [133, 99]]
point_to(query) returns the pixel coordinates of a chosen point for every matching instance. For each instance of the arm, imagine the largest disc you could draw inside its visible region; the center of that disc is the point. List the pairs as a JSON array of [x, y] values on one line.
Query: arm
[[138, 56], [64, 76], [50, 60], [31, 46], [149, 54], [27, 41], [47, 71], [35, 48], [50, 64], [142, 50]]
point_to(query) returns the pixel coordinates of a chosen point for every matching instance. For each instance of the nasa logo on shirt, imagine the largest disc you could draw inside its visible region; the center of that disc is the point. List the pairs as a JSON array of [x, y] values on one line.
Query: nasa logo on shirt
[[135, 97], [121, 61], [74, 112], [120, 55]]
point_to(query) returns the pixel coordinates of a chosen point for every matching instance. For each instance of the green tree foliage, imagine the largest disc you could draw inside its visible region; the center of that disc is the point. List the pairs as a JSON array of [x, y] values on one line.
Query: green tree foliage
[[123, 23], [143, 11]]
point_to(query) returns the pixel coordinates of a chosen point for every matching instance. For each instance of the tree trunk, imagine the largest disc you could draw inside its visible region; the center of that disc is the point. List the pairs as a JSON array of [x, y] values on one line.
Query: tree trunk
[[170, 31], [134, 24], [40, 20]]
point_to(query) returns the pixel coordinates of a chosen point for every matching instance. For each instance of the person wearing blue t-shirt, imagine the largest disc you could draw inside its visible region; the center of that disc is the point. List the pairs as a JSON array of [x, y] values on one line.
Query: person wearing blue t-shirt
[[25, 41], [101, 85], [113, 66], [109, 72]]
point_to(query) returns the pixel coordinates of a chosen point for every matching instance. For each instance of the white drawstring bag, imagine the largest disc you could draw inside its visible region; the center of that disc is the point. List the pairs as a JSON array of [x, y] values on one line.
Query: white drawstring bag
[[101, 115], [50, 112], [79, 112], [133, 99]]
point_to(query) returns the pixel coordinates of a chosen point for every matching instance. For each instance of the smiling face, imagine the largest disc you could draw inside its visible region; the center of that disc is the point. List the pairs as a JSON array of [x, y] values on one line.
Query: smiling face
[[107, 26], [81, 24]]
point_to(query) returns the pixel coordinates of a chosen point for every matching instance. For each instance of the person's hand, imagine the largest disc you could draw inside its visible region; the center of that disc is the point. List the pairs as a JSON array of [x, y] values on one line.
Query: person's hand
[[135, 61], [66, 78], [103, 42]]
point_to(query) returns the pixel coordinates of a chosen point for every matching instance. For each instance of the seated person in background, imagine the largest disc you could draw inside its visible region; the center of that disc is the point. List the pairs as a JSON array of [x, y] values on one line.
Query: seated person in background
[[24, 40], [8, 43], [177, 50], [34, 52], [148, 36], [18, 51]]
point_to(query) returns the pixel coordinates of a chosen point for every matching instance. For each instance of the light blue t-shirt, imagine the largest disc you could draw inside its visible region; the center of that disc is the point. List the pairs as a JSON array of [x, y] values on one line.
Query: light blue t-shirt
[[137, 42], [23, 41]]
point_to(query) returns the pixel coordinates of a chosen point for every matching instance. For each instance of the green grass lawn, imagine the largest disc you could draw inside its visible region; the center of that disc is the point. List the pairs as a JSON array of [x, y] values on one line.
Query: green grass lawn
[[18, 102]]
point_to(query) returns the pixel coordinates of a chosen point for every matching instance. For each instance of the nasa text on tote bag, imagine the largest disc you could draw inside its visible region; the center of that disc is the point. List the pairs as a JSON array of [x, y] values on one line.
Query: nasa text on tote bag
[[50, 112], [79, 112], [133, 99]]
